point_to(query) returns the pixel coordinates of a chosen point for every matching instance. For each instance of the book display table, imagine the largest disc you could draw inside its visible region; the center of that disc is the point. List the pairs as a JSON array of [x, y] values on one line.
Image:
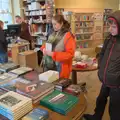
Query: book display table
[[75, 114]]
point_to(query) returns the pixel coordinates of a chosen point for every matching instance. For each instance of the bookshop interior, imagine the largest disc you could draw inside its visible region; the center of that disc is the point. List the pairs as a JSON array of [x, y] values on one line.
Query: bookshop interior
[[57, 59]]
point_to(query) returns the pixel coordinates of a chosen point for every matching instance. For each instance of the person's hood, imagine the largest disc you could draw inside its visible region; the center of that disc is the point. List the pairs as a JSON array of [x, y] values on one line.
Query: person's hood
[[116, 15]]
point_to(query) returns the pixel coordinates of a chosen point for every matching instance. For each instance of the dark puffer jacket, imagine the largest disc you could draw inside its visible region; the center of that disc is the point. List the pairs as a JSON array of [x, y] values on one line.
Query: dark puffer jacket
[[109, 59]]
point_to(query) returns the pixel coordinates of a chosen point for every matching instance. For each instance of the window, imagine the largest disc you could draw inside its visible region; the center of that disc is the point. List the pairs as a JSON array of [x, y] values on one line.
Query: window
[[5, 12]]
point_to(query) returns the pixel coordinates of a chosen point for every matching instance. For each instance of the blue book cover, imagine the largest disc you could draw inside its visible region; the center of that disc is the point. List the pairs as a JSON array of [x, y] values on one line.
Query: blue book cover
[[37, 114]]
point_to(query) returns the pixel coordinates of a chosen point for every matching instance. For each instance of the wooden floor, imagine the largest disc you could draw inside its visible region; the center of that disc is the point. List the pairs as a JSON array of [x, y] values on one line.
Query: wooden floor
[[93, 88]]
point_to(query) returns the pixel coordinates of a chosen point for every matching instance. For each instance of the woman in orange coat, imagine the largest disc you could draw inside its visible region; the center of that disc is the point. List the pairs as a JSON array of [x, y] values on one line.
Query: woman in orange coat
[[63, 48]]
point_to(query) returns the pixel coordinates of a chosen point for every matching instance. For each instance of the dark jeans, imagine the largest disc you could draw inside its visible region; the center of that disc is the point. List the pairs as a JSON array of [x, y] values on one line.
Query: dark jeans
[[3, 57], [114, 106]]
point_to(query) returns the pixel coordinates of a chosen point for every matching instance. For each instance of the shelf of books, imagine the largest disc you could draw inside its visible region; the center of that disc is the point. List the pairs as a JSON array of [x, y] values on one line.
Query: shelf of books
[[105, 22], [38, 14], [87, 28]]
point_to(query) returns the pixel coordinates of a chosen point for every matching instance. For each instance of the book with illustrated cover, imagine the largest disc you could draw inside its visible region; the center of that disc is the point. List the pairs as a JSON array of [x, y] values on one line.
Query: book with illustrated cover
[[33, 76], [11, 85], [14, 106], [8, 66], [73, 89], [37, 114], [59, 102], [6, 77], [40, 89], [21, 70], [62, 83]]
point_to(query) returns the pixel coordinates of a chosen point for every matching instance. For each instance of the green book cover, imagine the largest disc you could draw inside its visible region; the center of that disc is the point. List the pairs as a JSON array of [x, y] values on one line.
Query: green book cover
[[59, 102]]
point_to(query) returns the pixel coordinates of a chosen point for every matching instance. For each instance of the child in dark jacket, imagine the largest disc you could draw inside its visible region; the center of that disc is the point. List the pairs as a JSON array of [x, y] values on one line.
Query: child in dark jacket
[[3, 45], [109, 72]]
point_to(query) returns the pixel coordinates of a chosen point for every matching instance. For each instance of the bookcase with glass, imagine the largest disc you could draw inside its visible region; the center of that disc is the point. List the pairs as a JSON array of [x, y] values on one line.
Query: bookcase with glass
[[84, 28]]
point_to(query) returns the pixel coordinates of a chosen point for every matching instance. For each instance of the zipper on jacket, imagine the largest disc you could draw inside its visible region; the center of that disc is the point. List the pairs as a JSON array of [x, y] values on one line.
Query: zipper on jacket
[[104, 80]]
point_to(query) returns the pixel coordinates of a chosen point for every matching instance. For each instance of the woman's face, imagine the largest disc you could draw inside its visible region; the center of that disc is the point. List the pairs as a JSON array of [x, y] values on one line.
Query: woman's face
[[57, 26]]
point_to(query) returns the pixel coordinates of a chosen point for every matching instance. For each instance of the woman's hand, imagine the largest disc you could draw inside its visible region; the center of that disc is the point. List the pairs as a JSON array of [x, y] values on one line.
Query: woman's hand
[[45, 52], [49, 53]]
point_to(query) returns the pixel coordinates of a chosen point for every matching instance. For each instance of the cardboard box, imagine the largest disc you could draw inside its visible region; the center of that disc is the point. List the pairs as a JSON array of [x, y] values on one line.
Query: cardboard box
[[28, 59], [16, 49]]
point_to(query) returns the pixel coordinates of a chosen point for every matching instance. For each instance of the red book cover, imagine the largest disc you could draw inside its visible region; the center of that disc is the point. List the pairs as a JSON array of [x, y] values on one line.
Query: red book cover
[[32, 76]]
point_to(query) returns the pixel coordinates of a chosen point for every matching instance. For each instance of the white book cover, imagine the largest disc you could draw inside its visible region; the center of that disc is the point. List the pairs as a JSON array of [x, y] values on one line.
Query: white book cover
[[48, 47], [49, 76], [12, 101], [21, 70]]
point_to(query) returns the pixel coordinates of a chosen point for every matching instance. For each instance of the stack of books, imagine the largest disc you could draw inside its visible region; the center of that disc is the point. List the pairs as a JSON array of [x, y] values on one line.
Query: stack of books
[[21, 71], [62, 84], [37, 114], [59, 102], [8, 66], [36, 91], [73, 89], [6, 77], [14, 106], [11, 86]]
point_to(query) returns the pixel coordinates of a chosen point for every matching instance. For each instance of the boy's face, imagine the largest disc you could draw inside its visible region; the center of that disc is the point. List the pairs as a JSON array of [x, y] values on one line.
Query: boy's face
[[113, 29]]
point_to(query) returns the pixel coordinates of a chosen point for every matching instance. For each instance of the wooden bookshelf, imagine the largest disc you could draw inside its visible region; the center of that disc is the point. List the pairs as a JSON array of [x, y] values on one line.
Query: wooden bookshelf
[[38, 14], [83, 28], [88, 29]]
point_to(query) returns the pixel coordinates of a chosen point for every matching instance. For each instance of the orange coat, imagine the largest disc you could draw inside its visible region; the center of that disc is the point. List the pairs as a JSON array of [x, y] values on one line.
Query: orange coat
[[65, 58]]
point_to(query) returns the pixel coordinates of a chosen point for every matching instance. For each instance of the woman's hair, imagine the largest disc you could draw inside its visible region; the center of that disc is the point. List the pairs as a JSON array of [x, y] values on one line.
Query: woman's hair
[[1, 23], [60, 19]]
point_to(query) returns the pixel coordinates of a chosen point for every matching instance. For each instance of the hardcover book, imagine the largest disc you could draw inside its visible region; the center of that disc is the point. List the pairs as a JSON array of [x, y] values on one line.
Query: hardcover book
[[8, 66], [62, 83], [73, 89], [11, 85], [37, 114], [59, 102], [33, 76], [39, 90], [21, 70], [14, 105]]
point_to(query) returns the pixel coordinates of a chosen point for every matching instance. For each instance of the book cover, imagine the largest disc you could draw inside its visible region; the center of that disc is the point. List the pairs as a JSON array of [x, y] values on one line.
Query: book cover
[[62, 83], [37, 114], [10, 86], [12, 101], [26, 87], [8, 66], [73, 89], [41, 88], [59, 102], [6, 77], [21, 70], [33, 76]]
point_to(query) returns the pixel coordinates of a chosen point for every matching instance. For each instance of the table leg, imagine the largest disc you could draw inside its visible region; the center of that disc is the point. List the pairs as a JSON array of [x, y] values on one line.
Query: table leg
[[74, 77]]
